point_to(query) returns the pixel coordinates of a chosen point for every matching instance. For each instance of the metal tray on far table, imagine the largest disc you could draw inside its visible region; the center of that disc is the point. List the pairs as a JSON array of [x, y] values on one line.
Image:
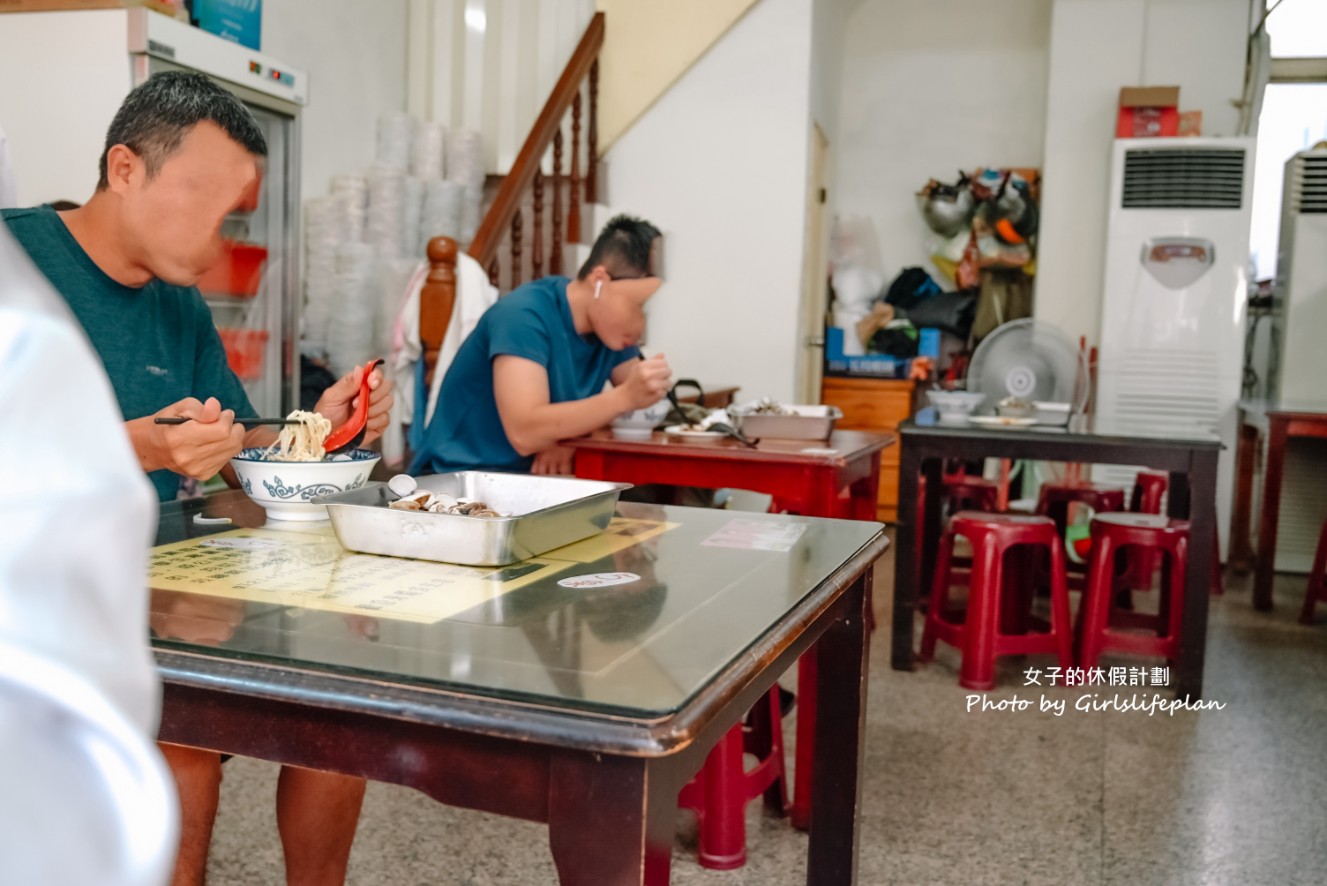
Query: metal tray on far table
[[541, 513], [805, 422]]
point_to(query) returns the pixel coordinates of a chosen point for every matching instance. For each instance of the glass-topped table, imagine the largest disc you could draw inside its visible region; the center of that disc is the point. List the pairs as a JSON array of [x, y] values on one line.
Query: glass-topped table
[[582, 688], [1188, 454]]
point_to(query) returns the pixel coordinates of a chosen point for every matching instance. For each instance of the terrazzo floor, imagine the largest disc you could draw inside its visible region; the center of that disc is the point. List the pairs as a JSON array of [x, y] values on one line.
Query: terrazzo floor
[[1230, 796]]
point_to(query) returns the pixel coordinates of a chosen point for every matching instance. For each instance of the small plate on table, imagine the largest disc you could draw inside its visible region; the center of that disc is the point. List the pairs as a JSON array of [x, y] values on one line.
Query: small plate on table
[[682, 432], [1011, 422]]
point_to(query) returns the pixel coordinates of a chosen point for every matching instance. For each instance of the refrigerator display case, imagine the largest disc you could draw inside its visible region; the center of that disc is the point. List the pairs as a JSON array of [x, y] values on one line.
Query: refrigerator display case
[[78, 66]]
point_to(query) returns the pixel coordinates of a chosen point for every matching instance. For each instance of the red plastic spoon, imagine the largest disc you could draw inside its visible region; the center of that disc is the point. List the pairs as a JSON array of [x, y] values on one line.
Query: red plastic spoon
[[351, 434]]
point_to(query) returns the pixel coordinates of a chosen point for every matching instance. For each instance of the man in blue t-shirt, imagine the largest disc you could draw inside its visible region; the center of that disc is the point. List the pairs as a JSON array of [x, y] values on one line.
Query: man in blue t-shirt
[[533, 370], [180, 155]]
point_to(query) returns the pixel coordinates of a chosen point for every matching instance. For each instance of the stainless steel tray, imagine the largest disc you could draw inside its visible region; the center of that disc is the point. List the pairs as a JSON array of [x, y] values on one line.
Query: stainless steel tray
[[543, 513], [808, 422]]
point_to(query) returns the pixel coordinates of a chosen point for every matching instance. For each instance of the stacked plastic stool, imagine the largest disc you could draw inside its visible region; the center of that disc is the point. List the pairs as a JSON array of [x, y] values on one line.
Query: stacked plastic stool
[[1102, 625], [1054, 499], [720, 791], [1148, 489], [968, 493], [1000, 596]]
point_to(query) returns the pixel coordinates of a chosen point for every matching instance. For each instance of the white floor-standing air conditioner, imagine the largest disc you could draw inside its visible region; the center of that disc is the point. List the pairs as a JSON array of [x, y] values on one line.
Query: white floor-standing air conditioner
[[1176, 283], [1301, 282], [1297, 364]]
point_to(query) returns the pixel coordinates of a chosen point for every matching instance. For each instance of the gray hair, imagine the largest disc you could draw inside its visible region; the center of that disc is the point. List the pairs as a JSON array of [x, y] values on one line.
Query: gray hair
[[157, 115]]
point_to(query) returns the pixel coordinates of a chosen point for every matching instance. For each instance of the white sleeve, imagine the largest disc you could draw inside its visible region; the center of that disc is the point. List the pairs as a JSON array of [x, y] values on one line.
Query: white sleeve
[[8, 182], [79, 691]]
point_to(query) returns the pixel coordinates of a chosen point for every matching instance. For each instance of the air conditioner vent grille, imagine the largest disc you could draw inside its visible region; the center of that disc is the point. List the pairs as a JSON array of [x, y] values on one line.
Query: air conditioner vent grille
[[1183, 178], [1309, 184]]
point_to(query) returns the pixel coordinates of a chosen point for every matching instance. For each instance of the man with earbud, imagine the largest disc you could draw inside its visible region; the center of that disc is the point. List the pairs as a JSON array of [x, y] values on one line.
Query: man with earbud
[[533, 370]]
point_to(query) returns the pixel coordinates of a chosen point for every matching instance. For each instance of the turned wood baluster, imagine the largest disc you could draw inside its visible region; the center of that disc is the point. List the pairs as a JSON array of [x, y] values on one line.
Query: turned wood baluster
[[516, 249], [437, 297], [592, 139], [493, 271], [574, 192], [537, 233], [555, 255]]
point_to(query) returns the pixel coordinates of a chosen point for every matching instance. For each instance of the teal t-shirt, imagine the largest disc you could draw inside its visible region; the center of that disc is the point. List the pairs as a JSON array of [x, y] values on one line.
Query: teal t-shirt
[[158, 343], [532, 321]]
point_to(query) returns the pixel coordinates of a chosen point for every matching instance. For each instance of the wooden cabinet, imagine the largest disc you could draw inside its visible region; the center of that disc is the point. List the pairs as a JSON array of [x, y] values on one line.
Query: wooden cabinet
[[874, 404]]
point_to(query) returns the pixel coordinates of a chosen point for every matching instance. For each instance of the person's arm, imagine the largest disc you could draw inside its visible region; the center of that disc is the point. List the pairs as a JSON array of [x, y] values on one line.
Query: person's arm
[[533, 423]]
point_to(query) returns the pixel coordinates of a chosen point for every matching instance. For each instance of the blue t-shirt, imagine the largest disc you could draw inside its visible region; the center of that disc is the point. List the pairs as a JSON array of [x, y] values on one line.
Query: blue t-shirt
[[158, 343], [532, 321]]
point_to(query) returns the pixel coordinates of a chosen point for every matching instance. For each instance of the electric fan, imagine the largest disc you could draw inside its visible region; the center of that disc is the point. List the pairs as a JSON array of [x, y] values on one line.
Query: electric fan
[[1033, 361]]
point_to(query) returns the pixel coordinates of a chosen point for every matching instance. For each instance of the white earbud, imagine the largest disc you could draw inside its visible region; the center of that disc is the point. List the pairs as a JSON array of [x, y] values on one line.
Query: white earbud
[[598, 284]]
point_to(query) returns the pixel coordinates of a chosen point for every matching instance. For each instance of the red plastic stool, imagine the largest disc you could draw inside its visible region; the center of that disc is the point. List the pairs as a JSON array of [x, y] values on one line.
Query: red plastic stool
[[1054, 499], [1317, 590], [999, 595], [1100, 620], [964, 493], [1149, 487], [720, 791]]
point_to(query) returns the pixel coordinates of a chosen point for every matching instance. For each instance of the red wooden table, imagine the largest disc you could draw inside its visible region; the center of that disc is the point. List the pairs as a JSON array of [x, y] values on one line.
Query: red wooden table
[[839, 477], [1280, 422]]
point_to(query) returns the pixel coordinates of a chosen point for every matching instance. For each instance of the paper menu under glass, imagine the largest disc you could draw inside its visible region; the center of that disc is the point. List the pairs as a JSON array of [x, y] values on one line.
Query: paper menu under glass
[[309, 569]]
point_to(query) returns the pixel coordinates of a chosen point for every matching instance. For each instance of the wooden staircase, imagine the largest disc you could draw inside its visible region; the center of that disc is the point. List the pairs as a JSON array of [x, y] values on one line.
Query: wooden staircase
[[532, 217], [548, 207]]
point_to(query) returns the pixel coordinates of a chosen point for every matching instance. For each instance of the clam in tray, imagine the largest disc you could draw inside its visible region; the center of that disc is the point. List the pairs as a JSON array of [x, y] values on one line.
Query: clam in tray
[[534, 515]]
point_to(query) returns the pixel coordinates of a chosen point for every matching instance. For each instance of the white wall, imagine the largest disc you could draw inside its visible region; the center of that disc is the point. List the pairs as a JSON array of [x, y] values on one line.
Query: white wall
[[1096, 47], [355, 54], [719, 164], [928, 89], [828, 32]]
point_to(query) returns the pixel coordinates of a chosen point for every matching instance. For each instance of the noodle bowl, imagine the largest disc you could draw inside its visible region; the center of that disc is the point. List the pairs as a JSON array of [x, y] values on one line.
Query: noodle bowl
[[289, 490]]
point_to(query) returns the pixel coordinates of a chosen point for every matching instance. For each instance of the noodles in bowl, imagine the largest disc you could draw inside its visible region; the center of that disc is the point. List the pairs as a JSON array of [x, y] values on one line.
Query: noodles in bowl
[[303, 441]]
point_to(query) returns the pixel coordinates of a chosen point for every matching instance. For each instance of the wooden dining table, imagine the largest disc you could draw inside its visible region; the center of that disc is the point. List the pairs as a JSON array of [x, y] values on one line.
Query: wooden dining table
[[581, 688], [1188, 454], [1275, 423]]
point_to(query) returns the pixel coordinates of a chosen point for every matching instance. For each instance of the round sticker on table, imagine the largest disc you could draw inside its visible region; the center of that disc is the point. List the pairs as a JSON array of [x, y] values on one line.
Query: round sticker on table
[[599, 580]]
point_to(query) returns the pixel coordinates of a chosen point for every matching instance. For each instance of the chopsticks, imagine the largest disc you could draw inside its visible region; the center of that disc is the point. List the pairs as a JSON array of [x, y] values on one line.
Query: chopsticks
[[179, 420]]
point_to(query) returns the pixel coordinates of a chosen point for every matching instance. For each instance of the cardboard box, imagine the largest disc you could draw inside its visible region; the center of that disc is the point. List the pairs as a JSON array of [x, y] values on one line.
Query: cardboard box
[[871, 365], [1148, 111], [167, 7]]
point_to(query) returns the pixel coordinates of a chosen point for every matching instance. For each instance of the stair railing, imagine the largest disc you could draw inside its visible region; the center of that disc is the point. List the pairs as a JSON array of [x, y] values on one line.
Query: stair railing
[[504, 222]]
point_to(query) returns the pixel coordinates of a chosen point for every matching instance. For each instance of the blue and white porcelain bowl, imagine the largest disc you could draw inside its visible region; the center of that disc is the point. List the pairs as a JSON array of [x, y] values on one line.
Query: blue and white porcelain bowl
[[285, 489]]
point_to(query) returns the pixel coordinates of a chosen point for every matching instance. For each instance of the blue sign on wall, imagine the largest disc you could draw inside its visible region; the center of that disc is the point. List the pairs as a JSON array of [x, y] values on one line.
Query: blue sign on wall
[[238, 20]]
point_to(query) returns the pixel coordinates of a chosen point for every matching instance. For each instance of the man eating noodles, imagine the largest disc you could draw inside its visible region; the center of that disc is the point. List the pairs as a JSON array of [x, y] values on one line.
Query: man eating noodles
[[180, 155]]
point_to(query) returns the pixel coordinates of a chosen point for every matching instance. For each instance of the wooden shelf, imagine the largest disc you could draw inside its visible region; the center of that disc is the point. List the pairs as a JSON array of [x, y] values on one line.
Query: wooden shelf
[[874, 404]]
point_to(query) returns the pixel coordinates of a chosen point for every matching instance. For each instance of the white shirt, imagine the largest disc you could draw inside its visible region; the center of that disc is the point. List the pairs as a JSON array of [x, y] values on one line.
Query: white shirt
[[8, 184], [87, 797]]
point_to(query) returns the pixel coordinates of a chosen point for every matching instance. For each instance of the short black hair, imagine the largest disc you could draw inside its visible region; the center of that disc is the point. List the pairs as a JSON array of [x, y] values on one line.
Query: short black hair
[[623, 248], [158, 114]]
